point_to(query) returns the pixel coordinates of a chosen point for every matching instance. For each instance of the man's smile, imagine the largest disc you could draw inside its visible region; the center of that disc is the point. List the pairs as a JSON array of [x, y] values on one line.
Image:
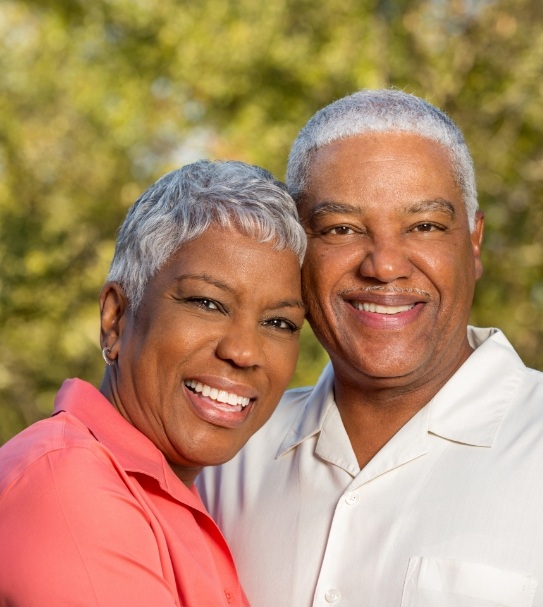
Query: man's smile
[[379, 309]]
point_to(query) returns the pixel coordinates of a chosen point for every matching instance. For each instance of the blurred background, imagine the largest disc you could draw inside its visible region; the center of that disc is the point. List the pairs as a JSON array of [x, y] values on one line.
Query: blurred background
[[98, 99]]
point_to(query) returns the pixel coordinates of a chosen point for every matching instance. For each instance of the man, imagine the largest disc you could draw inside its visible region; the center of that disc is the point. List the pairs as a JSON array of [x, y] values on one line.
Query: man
[[411, 474]]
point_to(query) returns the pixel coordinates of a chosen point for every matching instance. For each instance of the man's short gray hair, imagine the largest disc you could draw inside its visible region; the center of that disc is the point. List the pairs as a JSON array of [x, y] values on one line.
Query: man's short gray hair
[[383, 110], [186, 202]]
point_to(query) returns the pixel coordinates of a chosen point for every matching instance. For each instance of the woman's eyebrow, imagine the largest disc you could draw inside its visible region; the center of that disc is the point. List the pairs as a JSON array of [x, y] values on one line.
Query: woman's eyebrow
[[205, 278], [283, 303], [288, 303]]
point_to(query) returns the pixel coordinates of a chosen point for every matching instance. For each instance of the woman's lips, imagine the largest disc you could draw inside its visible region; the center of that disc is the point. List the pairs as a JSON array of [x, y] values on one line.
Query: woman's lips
[[214, 411], [221, 396]]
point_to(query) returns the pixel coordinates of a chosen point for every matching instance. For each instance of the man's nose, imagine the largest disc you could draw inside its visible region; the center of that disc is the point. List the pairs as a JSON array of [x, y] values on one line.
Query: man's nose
[[386, 260]]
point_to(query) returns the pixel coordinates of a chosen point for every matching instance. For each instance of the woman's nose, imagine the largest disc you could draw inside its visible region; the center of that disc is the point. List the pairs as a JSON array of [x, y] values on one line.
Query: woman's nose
[[242, 346]]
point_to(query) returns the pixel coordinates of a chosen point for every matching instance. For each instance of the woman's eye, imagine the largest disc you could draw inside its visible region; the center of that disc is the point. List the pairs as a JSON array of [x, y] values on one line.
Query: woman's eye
[[204, 303], [283, 324]]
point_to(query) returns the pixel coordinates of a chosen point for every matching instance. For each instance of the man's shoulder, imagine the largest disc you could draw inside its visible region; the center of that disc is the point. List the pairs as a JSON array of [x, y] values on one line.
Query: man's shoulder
[[262, 449], [535, 375], [294, 398], [291, 408]]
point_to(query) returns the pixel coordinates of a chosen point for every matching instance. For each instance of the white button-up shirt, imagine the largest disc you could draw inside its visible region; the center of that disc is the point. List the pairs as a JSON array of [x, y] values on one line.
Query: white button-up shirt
[[448, 514]]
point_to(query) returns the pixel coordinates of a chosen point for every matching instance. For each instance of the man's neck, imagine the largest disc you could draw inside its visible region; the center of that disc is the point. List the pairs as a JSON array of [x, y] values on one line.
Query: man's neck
[[372, 423], [374, 410]]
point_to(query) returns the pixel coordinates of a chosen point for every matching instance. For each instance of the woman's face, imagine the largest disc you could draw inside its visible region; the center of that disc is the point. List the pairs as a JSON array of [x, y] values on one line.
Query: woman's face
[[203, 362]]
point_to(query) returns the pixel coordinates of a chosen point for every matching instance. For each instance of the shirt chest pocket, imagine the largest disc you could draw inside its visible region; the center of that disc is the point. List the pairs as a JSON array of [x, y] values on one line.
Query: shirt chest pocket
[[433, 582]]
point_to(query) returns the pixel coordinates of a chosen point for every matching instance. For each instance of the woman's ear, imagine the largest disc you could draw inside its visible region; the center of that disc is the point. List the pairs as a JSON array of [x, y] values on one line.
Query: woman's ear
[[113, 310]]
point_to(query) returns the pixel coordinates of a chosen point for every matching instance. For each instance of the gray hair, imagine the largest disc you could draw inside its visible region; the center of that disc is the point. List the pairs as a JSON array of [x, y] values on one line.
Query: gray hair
[[383, 110], [186, 202]]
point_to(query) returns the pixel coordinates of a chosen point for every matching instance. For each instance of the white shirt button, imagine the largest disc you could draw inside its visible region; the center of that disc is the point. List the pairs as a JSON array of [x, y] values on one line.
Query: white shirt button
[[332, 595], [352, 499]]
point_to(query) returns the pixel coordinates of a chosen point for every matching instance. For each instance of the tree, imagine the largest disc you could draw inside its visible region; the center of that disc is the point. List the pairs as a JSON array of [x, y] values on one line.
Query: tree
[[99, 99]]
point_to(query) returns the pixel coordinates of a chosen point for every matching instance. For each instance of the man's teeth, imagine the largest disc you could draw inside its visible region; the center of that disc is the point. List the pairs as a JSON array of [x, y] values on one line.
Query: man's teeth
[[221, 396], [371, 307]]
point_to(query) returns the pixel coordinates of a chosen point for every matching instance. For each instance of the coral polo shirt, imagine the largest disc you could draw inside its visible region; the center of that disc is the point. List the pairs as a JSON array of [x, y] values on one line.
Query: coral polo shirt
[[91, 514]]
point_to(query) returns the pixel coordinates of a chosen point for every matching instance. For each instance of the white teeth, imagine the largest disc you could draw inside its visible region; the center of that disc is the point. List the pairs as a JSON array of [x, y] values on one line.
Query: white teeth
[[371, 307], [221, 396]]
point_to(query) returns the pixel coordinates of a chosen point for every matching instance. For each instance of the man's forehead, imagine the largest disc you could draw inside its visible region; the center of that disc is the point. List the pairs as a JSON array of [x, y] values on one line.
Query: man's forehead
[[389, 143], [402, 172], [404, 157]]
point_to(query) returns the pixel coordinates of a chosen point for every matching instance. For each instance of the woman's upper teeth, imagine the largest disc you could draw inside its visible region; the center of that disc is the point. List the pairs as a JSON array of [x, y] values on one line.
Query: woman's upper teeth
[[221, 396], [372, 307]]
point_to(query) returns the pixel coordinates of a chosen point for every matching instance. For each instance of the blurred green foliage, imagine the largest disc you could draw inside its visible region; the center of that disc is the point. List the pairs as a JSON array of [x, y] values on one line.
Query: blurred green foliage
[[98, 99]]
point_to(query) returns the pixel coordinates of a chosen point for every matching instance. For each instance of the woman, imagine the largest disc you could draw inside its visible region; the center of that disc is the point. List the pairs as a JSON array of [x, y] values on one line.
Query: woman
[[200, 319]]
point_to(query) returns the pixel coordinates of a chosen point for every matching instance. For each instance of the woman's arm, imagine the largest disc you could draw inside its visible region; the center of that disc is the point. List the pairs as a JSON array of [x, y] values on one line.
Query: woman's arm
[[73, 533]]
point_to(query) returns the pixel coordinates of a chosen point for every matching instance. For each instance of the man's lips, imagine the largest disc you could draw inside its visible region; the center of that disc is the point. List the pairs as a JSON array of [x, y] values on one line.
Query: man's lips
[[385, 317], [388, 308], [387, 300], [366, 306]]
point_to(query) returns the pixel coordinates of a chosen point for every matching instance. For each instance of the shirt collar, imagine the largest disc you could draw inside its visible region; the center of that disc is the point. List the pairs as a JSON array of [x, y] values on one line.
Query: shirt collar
[[471, 405], [311, 418], [453, 413], [132, 449]]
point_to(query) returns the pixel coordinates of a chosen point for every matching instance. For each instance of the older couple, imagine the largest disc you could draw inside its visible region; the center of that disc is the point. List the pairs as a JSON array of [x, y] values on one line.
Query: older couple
[[409, 475]]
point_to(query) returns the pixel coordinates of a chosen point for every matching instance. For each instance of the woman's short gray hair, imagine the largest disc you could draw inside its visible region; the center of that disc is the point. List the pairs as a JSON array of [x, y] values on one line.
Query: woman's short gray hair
[[186, 202], [383, 110]]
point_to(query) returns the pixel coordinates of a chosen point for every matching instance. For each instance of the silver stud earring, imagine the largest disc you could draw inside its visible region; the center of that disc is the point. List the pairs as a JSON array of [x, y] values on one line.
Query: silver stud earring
[[105, 352]]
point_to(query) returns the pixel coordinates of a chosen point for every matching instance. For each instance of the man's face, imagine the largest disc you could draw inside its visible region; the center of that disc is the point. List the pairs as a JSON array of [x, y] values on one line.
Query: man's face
[[391, 265]]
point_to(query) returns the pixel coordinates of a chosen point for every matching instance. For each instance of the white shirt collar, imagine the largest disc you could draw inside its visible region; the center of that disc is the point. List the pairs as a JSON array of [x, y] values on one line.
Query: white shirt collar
[[451, 414], [455, 412]]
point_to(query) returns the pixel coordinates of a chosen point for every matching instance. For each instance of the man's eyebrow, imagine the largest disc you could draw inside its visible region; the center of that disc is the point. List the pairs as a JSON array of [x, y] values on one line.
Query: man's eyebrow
[[437, 204], [328, 207]]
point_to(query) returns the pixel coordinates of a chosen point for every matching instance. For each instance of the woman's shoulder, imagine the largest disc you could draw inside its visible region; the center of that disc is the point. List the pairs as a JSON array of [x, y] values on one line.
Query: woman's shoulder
[[48, 447]]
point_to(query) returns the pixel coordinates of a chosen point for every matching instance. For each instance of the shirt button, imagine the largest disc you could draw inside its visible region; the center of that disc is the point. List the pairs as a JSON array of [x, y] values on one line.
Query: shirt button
[[352, 498], [228, 596], [332, 595]]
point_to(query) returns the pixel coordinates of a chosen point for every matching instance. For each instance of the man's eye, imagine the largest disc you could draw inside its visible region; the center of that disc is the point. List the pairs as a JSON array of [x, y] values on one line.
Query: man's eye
[[283, 324], [428, 227], [339, 231]]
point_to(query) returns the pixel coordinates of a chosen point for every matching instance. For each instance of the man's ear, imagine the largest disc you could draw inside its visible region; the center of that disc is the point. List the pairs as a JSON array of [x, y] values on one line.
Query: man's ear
[[113, 310], [477, 242]]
